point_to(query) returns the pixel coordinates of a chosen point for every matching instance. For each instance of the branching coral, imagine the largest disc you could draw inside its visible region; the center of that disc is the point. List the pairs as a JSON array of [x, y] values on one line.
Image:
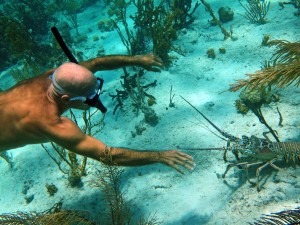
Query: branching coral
[[280, 218], [53, 216], [133, 89], [16, 41], [284, 72], [295, 3], [109, 180], [256, 10], [185, 16], [215, 19]]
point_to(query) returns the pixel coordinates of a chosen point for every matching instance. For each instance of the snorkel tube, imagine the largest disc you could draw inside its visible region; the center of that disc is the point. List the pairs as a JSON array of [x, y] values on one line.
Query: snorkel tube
[[99, 105]]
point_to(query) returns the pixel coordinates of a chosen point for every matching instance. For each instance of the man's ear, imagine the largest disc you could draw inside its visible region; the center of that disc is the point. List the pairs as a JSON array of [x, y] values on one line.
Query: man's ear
[[65, 99]]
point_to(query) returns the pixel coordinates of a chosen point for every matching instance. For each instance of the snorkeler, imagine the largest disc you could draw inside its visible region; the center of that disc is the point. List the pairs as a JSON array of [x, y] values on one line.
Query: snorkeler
[[30, 112]]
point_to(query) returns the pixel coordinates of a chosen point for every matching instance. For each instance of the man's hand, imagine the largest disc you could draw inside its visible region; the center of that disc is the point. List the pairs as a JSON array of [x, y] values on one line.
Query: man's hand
[[150, 62], [176, 158]]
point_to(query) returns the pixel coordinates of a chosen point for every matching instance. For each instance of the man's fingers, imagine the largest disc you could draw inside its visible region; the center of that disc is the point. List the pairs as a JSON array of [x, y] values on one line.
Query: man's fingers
[[159, 62], [186, 163], [176, 167], [154, 69]]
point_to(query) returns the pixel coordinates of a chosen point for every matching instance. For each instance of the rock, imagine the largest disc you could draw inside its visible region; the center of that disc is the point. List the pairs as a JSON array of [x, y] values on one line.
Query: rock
[[225, 14]]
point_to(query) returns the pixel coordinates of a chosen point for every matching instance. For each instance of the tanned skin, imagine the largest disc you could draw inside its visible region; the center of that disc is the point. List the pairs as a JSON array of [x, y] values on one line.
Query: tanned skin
[[30, 113]]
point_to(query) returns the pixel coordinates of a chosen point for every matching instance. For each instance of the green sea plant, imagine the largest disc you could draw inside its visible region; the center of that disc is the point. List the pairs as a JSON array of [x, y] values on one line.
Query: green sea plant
[[69, 9], [184, 17], [117, 12], [284, 69], [163, 32], [16, 41], [282, 72], [76, 165], [256, 10], [36, 16]]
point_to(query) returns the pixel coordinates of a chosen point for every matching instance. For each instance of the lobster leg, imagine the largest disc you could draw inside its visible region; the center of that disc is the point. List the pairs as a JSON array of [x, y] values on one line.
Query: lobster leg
[[261, 168]]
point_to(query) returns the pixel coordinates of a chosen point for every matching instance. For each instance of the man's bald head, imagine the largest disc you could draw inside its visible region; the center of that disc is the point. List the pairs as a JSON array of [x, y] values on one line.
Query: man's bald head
[[74, 80]]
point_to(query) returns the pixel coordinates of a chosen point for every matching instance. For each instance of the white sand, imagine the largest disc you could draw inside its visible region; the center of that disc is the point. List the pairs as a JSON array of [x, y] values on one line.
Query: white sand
[[203, 196]]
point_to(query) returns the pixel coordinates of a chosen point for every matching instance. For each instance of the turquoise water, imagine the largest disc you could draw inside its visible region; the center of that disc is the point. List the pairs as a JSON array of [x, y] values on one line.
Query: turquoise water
[[202, 59]]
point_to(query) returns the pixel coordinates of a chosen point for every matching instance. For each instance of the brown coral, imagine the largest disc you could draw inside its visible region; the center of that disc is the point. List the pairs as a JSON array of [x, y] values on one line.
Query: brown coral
[[284, 72]]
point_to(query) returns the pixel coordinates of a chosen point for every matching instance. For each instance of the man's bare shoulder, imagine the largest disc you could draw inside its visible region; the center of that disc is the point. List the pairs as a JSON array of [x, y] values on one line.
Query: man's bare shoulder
[[62, 131]]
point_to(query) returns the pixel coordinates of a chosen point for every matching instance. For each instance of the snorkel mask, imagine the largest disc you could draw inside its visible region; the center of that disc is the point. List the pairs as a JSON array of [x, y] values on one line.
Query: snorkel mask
[[94, 99]]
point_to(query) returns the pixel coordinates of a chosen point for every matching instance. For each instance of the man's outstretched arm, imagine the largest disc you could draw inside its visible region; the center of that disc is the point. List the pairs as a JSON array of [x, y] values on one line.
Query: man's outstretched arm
[[68, 135], [149, 62]]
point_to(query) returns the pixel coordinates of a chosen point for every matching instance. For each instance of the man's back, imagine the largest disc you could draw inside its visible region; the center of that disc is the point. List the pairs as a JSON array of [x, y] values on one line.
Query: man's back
[[23, 110]]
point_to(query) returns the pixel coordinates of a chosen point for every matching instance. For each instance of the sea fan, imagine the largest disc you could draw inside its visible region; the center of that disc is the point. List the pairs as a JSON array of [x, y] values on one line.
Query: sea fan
[[288, 217], [64, 217], [284, 72]]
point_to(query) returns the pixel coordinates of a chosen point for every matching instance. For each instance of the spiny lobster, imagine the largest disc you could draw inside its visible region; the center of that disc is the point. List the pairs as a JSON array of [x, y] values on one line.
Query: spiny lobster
[[257, 151]]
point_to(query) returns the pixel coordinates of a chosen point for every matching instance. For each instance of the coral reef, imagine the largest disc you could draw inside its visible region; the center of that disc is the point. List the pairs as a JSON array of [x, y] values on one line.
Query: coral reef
[[241, 107]]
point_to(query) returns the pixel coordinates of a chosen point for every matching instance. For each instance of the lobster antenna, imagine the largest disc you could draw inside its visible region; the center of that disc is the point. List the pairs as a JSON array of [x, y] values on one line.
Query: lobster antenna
[[200, 149], [207, 128], [211, 123]]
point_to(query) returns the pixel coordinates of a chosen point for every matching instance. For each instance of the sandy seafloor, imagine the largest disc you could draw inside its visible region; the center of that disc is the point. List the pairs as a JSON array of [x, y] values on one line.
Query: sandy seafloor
[[202, 196]]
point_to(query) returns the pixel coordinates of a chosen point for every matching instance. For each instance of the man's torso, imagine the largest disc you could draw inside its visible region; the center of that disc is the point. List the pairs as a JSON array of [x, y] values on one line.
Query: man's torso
[[24, 110]]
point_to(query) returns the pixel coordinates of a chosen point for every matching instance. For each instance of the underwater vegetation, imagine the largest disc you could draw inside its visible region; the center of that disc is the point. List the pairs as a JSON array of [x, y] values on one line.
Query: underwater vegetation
[[215, 20], [53, 216], [133, 89], [256, 10], [25, 28], [295, 3], [109, 180], [155, 24], [284, 71], [280, 218], [76, 165]]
